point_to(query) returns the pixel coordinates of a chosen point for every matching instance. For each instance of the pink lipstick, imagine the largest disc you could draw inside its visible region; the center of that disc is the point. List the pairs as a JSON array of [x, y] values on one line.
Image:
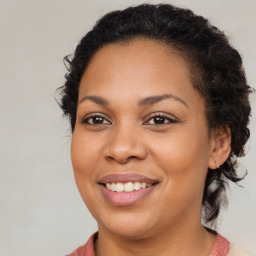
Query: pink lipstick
[[126, 189]]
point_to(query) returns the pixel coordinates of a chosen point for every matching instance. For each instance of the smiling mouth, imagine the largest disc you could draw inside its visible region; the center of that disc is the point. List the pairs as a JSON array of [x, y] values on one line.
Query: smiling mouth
[[126, 189]]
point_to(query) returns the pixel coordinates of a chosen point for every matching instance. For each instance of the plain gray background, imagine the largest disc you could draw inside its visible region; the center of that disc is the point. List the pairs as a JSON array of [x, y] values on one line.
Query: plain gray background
[[41, 212]]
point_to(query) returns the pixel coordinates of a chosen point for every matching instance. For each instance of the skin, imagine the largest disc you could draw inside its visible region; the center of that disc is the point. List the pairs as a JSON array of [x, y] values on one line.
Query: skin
[[177, 153]]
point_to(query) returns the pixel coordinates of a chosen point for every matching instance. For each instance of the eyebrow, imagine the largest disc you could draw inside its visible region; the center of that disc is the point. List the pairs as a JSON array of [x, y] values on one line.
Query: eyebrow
[[96, 99], [151, 100], [155, 99]]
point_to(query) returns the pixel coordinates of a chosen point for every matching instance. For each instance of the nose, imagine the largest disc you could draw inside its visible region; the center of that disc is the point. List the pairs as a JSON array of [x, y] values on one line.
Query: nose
[[125, 144]]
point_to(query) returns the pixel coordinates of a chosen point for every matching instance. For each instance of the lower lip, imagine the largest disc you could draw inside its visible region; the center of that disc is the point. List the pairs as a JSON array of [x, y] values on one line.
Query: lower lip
[[126, 198]]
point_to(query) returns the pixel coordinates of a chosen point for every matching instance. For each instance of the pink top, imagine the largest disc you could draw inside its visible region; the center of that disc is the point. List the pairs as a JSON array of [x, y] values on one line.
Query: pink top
[[220, 248]]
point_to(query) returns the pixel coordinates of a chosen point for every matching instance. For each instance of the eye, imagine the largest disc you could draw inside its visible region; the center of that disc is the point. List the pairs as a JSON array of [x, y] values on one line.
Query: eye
[[95, 119], [160, 119]]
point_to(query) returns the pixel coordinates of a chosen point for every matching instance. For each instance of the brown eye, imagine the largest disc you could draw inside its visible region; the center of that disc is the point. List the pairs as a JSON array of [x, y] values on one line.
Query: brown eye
[[95, 120], [160, 119]]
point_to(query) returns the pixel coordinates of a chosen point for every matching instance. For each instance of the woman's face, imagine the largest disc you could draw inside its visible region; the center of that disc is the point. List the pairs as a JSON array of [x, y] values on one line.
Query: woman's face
[[140, 127]]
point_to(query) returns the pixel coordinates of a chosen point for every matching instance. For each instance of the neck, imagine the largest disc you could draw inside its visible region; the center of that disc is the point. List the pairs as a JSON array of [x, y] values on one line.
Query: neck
[[179, 240]]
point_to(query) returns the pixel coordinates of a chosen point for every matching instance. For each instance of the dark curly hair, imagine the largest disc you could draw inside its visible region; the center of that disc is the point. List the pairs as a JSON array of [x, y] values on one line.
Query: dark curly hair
[[216, 73]]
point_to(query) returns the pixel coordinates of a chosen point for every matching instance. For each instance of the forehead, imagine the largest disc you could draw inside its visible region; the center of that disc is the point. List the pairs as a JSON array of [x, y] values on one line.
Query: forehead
[[143, 53], [138, 67]]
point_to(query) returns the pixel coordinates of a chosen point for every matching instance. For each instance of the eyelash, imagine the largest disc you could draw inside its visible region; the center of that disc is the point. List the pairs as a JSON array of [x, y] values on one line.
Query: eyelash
[[150, 117], [96, 115], [161, 115]]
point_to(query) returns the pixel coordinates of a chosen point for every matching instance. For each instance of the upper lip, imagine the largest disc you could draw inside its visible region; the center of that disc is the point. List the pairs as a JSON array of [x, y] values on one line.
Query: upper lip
[[126, 177]]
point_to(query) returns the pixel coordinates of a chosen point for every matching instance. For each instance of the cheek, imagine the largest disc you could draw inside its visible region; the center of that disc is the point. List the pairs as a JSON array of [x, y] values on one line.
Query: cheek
[[183, 159], [179, 151], [83, 154]]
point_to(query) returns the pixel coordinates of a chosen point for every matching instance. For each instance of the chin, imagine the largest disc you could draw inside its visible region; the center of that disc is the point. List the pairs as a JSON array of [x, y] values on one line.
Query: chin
[[129, 232], [128, 227]]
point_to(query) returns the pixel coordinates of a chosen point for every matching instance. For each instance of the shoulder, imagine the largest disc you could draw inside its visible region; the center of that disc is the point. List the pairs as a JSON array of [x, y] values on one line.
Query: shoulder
[[87, 249], [236, 250], [223, 247]]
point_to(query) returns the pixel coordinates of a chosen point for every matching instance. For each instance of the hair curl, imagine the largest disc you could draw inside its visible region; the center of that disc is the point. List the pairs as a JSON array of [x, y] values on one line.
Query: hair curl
[[216, 72]]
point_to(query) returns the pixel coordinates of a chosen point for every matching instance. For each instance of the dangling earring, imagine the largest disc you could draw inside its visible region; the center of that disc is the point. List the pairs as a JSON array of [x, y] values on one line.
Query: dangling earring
[[217, 165]]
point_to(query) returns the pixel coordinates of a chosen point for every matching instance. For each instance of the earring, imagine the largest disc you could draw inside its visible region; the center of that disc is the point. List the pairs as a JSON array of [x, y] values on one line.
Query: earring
[[217, 165]]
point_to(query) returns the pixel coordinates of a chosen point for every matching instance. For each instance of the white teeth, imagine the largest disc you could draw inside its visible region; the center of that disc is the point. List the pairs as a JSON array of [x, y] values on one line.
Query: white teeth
[[136, 186], [143, 185], [119, 187], [127, 187], [112, 186]]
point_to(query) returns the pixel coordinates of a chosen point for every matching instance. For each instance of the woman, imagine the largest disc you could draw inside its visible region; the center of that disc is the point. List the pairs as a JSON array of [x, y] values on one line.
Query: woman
[[158, 105]]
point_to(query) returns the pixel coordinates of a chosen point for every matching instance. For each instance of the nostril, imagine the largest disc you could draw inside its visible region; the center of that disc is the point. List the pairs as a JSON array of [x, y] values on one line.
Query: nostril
[[123, 153], [122, 160], [132, 157]]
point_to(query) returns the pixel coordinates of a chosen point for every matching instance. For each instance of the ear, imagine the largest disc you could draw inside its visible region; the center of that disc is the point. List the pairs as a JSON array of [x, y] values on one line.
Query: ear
[[220, 146]]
